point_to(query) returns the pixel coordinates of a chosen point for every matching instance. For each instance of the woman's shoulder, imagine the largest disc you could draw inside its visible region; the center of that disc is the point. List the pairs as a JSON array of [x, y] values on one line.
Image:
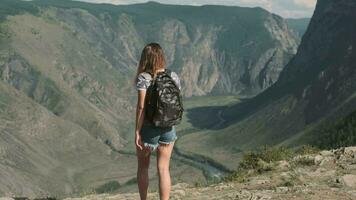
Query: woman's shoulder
[[143, 81], [144, 75]]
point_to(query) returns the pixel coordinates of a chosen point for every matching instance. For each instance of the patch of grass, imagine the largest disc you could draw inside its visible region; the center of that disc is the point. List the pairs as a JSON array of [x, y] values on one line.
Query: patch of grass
[[264, 159], [307, 149], [258, 159], [131, 181], [287, 183], [204, 109], [239, 175], [13, 7], [108, 187], [340, 133], [206, 183]]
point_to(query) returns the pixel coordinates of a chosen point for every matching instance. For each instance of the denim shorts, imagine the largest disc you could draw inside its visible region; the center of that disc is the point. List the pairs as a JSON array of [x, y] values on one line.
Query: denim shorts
[[151, 136]]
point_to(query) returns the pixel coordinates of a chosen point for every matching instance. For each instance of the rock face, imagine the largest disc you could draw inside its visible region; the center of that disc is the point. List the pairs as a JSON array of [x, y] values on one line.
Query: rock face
[[323, 72], [232, 51], [315, 89], [318, 84]]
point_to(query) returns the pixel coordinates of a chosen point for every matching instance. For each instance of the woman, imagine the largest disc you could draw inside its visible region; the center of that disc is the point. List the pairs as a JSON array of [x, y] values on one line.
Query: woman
[[147, 137]]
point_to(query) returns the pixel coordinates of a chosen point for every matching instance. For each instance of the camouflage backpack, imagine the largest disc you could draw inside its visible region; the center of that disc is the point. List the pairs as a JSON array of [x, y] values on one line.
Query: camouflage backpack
[[163, 104]]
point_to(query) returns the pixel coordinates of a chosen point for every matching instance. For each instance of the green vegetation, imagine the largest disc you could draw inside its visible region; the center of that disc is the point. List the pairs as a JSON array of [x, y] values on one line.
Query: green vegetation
[[257, 159], [80, 62], [264, 159], [108, 187], [341, 133], [131, 181], [307, 149], [193, 120], [13, 7]]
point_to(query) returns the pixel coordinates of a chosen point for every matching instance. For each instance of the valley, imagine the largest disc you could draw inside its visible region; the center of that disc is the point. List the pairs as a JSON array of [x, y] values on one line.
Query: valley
[[316, 88], [77, 61], [250, 79]]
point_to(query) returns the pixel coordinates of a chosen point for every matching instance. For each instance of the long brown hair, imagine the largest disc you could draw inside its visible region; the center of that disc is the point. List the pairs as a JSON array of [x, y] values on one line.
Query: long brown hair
[[152, 59]]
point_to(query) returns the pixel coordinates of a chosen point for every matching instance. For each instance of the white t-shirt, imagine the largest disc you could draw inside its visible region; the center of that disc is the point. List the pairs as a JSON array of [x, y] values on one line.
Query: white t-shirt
[[144, 80]]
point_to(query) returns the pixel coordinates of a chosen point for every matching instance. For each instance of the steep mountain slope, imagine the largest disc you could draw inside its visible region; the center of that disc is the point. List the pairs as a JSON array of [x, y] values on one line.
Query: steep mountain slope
[[214, 48], [340, 133], [42, 154], [316, 87]]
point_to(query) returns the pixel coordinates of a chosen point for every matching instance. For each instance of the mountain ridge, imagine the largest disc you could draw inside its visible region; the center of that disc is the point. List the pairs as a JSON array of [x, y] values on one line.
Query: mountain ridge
[[77, 62], [315, 88]]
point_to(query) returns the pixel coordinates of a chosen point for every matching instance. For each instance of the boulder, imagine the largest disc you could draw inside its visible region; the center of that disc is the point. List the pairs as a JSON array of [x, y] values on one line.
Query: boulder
[[349, 150], [318, 159], [326, 153], [349, 180]]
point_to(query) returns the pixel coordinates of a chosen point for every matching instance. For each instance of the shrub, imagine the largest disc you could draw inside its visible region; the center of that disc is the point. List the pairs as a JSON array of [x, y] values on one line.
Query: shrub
[[257, 159], [340, 133], [307, 149], [240, 175]]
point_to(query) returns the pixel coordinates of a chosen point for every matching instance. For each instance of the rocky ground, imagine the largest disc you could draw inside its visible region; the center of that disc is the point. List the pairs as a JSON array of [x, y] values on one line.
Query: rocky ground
[[320, 175]]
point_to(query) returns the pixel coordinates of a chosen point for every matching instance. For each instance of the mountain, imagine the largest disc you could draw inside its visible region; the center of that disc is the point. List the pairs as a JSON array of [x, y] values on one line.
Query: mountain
[[43, 154], [66, 81], [315, 88], [298, 25], [211, 47]]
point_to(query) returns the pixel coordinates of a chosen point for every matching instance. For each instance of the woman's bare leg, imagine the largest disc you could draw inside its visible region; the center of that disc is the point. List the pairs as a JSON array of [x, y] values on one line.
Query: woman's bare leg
[[143, 158], [164, 152]]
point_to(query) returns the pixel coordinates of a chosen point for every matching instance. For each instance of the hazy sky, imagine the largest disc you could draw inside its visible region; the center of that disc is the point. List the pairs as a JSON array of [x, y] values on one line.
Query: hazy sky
[[285, 8]]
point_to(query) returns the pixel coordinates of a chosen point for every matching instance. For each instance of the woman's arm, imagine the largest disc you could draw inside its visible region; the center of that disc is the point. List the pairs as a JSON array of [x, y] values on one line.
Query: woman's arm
[[140, 114]]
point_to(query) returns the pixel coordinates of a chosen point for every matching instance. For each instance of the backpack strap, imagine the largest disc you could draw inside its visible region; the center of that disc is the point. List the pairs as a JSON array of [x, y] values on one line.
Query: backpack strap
[[168, 71], [150, 73], [152, 79]]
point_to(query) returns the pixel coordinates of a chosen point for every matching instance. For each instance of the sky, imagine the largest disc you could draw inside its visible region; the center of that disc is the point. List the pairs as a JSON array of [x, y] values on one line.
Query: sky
[[285, 8]]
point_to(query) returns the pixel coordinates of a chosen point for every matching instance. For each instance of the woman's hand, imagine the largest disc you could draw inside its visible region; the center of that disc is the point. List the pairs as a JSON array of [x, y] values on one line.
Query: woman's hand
[[138, 142]]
